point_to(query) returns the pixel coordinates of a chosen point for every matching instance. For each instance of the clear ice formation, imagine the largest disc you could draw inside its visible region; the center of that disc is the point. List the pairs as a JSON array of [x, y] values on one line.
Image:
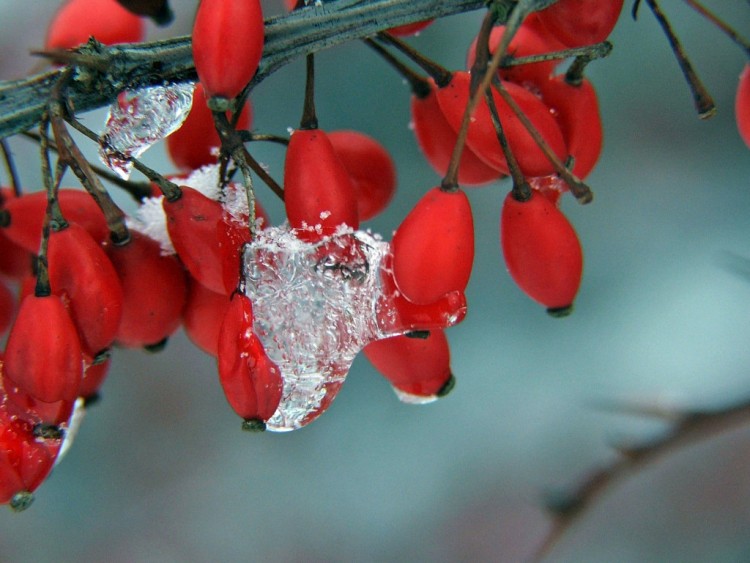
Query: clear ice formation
[[137, 120], [317, 305]]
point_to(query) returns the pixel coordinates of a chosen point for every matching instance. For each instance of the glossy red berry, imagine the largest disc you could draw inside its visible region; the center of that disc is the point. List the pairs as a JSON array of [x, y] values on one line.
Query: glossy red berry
[[251, 381], [482, 137], [409, 29], [433, 248], [82, 274], [196, 142], [25, 460], [581, 22], [742, 105], [7, 307], [370, 168], [436, 139], [228, 38], [576, 108], [319, 195], [43, 354], [204, 312], [205, 237], [417, 366], [154, 291], [542, 251], [23, 405], [106, 20], [27, 216]]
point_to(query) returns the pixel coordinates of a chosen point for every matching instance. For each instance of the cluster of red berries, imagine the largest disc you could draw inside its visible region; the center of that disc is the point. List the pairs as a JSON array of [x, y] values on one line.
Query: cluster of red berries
[[94, 291]]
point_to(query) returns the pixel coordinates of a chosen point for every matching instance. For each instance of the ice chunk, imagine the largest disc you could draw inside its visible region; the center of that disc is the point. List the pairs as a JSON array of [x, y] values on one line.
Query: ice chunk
[[317, 305], [137, 120]]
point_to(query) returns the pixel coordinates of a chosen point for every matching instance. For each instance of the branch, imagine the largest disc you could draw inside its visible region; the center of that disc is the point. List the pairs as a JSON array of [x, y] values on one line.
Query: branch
[[103, 72], [688, 428]]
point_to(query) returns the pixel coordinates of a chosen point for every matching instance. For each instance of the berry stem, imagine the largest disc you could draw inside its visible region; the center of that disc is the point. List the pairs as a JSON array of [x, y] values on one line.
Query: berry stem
[[441, 75], [232, 143], [721, 24], [10, 169], [137, 190], [170, 190], [521, 189], [420, 87], [704, 103], [450, 181], [574, 74], [309, 118], [578, 188], [53, 217]]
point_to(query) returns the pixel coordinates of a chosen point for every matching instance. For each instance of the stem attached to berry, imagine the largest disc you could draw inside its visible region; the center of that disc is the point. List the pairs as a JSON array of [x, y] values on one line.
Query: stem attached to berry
[[704, 103]]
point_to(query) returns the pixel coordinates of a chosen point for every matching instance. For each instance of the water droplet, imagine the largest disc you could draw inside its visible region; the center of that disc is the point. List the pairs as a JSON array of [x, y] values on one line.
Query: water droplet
[[137, 120]]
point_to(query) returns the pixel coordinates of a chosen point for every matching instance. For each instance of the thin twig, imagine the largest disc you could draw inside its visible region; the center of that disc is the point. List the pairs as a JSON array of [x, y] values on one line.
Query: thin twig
[[721, 24], [578, 188], [138, 190], [689, 427], [704, 103], [10, 169], [170, 190]]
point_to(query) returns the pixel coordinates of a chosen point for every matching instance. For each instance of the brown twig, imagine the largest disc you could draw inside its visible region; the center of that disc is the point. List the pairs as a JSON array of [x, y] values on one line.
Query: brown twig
[[688, 427], [721, 24], [138, 190], [578, 188], [704, 103], [71, 156], [10, 168]]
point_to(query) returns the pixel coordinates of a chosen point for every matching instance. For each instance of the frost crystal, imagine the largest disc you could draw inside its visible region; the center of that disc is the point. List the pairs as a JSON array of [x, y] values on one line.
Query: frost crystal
[[317, 305], [139, 119]]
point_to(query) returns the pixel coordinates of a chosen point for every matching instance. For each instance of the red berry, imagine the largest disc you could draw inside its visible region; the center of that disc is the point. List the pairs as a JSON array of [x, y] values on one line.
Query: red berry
[[742, 105], [252, 383], [433, 248], [194, 144], [204, 312], [482, 138], [7, 307], [228, 38], [525, 42], [25, 406], [446, 311], [436, 139], [541, 250], [370, 168], [576, 109], [205, 237], [82, 274], [25, 460], [27, 216], [106, 20], [418, 366], [409, 28], [43, 354], [581, 22], [318, 193], [154, 291]]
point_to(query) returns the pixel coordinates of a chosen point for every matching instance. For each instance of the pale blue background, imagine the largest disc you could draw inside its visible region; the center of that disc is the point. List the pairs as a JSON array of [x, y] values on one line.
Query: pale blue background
[[161, 472]]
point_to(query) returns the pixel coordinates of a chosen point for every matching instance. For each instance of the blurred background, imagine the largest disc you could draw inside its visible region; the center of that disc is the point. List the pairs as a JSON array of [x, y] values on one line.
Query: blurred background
[[160, 470]]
